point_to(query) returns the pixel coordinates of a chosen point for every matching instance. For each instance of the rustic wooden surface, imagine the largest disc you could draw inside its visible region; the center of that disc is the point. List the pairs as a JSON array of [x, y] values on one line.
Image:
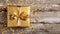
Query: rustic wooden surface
[[40, 9]]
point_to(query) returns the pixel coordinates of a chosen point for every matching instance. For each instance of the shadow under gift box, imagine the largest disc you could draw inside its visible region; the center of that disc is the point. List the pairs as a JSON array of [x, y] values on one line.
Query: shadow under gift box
[[18, 16]]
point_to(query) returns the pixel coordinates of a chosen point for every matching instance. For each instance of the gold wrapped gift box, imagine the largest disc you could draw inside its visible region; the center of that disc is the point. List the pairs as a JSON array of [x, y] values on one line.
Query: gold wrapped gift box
[[18, 16]]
